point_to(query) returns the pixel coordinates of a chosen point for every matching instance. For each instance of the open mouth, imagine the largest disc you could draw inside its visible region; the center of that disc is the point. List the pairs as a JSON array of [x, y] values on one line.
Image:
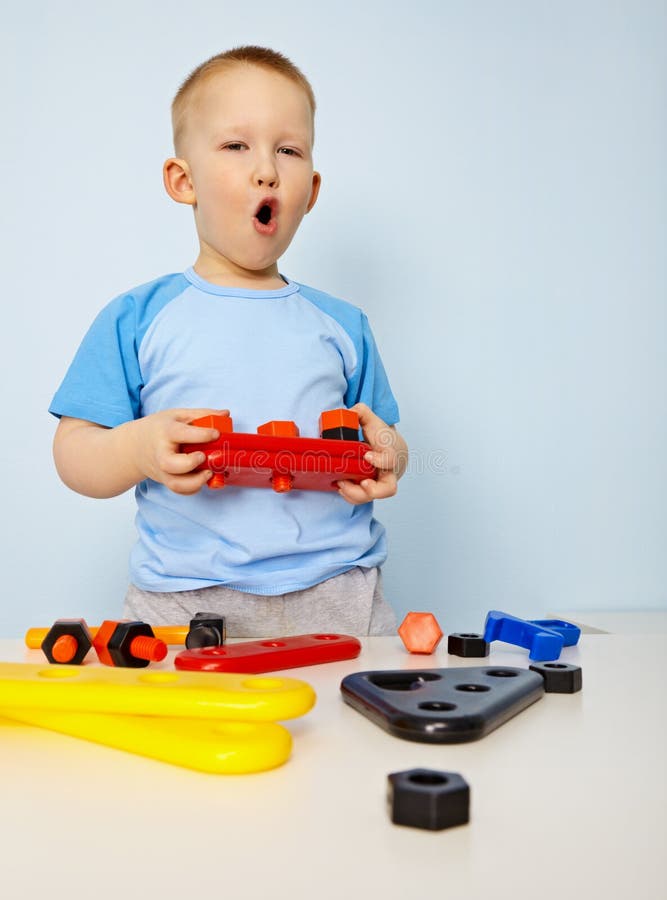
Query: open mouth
[[264, 214], [265, 219]]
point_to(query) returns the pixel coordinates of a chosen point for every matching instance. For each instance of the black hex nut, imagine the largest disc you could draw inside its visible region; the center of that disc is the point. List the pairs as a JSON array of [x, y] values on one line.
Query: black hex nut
[[120, 641], [340, 434], [559, 678], [79, 630], [467, 645], [427, 798], [206, 630]]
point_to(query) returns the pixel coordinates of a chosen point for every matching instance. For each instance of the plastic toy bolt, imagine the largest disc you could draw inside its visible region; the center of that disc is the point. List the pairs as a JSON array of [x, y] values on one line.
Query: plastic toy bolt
[[129, 644], [206, 630], [214, 459], [170, 634], [64, 649], [420, 632], [215, 462], [67, 641], [281, 482], [339, 424]]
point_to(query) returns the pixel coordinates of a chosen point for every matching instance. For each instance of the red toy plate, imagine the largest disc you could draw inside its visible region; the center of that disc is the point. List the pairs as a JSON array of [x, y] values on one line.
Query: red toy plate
[[256, 657]]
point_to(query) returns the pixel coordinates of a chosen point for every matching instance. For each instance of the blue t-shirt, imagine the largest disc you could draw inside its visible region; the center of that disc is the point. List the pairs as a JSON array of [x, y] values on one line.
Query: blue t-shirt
[[290, 353]]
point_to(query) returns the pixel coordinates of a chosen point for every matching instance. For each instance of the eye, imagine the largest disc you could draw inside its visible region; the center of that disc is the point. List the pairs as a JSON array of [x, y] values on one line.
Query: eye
[[234, 145], [289, 151]]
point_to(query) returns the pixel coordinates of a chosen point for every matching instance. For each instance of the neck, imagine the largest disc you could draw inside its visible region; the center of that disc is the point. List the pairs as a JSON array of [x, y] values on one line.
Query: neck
[[226, 274]]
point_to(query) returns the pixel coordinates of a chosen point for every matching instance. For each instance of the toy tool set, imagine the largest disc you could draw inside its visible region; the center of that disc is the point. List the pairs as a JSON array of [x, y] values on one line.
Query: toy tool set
[[69, 640], [205, 720], [222, 724], [442, 706], [454, 705], [544, 638], [218, 711], [277, 457], [170, 634], [271, 656]]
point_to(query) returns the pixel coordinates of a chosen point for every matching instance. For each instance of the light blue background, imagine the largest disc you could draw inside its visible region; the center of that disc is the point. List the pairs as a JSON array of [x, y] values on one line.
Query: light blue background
[[494, 196]]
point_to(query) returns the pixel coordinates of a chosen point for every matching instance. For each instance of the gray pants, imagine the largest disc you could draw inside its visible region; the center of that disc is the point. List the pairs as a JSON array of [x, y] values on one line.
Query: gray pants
[[351, 603]]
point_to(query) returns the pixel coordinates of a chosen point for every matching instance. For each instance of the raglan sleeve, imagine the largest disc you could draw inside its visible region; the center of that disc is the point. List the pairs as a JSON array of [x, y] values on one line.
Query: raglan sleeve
[[103, 382], [369, 383]]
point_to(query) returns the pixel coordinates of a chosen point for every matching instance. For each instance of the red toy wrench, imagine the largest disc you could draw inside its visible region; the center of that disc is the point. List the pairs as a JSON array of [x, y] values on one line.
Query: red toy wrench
[[271, 655]]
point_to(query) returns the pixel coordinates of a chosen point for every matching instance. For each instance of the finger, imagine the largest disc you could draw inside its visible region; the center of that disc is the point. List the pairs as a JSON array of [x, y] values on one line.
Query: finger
[[366, 490], [380, 489], [371, 489], [181, 463], [382, 459], [188, 415], [366, 414], [182, 433], [188, 484], [353, 493], [376, 431]]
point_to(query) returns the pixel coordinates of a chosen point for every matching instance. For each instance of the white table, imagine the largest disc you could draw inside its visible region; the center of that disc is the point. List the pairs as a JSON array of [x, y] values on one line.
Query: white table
[[649, 621], [568, 800]]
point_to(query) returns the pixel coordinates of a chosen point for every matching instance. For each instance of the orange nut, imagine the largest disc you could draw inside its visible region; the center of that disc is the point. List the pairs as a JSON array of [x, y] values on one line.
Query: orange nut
[[279, 428], [339, 418], [420, 632], [223, 424]]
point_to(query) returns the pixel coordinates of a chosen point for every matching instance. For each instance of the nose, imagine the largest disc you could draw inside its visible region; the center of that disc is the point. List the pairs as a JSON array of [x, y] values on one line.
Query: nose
[[266, 174]]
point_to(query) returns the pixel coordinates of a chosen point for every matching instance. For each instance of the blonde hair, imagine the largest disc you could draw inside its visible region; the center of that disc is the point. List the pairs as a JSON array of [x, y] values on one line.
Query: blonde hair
[[248, 55]]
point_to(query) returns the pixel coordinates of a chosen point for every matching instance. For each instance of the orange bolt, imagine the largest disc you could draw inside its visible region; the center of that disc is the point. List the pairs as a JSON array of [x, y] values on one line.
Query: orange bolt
[[216, 482], [281, 483], [420, 632], [215, 461], [170, 634], [67, 641], [64, 648], [129, 644], [150, 648]]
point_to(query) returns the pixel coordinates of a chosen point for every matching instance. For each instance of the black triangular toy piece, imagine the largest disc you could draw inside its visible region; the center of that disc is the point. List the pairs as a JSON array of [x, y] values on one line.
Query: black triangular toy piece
[[442, 706]]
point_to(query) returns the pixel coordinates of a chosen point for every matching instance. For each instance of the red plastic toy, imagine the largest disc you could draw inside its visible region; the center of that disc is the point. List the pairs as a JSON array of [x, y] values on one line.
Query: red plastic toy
[[277, 457], [269, 656], [420, 632]]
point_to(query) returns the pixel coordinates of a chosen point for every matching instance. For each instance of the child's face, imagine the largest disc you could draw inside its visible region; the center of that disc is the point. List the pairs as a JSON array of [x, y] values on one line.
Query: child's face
[[248, 144]]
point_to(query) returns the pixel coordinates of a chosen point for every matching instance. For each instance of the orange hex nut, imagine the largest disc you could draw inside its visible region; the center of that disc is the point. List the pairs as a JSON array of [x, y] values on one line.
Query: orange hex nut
[[223, 424], [420, 632], [339, 418], [279, 429]]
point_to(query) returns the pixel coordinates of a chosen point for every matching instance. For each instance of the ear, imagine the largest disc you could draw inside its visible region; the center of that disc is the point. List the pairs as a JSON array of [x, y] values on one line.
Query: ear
[[314, 191], [178, 181]]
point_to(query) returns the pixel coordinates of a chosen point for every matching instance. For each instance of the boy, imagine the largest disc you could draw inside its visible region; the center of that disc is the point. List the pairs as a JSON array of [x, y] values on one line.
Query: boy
[[232, 330]]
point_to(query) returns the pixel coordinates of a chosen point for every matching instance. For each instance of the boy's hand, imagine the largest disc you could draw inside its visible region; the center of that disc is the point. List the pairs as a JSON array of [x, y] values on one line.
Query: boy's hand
[[389, 455], [157, 441]]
